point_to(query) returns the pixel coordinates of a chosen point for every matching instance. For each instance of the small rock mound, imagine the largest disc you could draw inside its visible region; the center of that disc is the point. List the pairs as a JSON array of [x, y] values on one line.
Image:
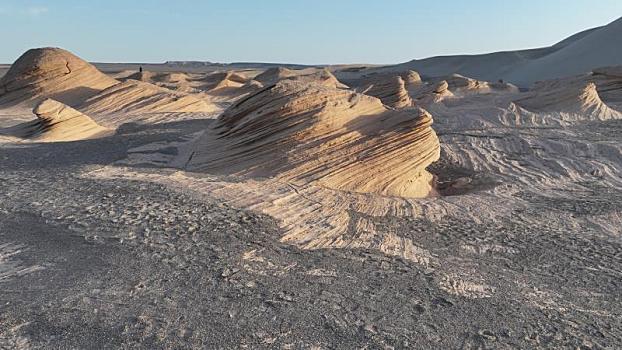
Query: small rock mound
[[273, 75], [311, 76], [221, 80], [134, 97], [393, 88], [51, 72], [431, 93], [312, 133], [59, 122], [391, 92], [578, 98]]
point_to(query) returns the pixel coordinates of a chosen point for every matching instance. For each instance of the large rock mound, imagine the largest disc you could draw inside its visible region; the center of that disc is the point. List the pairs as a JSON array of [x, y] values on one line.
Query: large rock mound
[[59, 122], [54, 73], [311, 133], [136, 97]]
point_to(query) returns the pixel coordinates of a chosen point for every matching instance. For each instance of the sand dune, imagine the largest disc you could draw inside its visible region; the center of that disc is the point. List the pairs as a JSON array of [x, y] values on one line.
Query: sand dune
[[312, 133], [51, 72], [577, 54], [59, 122], [135, 97]]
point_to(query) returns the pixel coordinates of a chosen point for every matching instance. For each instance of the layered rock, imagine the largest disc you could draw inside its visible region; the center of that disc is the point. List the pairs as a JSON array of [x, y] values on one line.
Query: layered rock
[[221, 80], [393, 88], [392, 92], [59, 122], [134, 97], [459, 84], [311, 76], [578, 98], [310, 133], [51, 72]]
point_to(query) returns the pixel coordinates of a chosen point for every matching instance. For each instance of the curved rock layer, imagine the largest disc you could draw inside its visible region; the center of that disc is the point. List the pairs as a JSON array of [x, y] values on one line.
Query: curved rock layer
[[51, 72], [391, 92], [579, 98], [393, 88], [134, 97], [310, 133], [431, 93], [59, 122]]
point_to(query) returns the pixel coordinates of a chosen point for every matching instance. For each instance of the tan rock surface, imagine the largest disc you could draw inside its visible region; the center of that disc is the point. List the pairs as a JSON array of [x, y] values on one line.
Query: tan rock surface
[[59, 122], [313, 133], [51, 72], [134, 97]]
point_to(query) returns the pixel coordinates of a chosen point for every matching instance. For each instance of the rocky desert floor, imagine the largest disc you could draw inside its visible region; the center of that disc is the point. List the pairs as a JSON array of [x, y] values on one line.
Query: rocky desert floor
[[88, 262]]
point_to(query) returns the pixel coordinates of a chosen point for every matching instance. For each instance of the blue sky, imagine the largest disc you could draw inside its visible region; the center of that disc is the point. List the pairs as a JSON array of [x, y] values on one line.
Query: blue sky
[[294, 31]]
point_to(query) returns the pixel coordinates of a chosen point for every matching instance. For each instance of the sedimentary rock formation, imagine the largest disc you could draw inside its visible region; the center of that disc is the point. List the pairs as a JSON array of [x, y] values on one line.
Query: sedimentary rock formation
[[391, 87], [431, 93], [59, 122], [314, 76], [228, 79], [391, 92], [608, 82], [133, 97], [461, 85], [310, 133], [51, 72], [576, 98]]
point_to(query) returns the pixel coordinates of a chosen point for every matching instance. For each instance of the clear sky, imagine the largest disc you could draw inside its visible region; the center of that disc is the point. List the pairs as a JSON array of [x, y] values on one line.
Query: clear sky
[[292, 31]]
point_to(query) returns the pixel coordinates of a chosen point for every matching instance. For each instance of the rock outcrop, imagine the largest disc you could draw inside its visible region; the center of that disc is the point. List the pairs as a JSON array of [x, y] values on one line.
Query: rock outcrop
[[310, 75], [134, 97], [576, 99], [310, 133], [393, 88], [54, 73], [59, 122]]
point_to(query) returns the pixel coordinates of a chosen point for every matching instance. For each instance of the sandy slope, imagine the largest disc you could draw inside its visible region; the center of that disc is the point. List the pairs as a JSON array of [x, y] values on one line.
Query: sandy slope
[[577, 54]]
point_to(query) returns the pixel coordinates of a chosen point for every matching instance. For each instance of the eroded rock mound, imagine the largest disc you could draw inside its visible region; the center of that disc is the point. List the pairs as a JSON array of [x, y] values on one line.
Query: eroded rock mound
[[393, 88], [59, 122], [576, 98], [310, 75], [134, 97], [459, 84], [54, 73], [431, 93], [311, 133], [391, 92], [228, 79]]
